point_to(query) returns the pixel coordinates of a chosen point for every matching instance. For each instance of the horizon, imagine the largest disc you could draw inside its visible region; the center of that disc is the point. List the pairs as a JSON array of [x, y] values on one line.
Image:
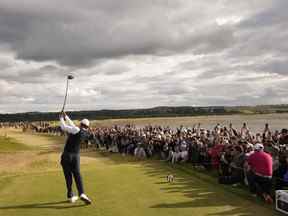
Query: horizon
[[183, 54], [149, 108]]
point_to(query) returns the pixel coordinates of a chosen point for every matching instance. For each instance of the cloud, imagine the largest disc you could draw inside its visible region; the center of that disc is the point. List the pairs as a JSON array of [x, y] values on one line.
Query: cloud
[[79, 35], [277, 66], [131, 54], [272, 15]]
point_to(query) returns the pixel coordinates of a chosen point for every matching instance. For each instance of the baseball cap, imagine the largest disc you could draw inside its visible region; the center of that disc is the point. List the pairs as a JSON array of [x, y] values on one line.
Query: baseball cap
[[85, 122], [258, 147]]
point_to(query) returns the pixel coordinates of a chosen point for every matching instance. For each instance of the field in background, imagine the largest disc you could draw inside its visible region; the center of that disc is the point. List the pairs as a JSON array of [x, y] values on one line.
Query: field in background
[[32, 183], [255, 122]]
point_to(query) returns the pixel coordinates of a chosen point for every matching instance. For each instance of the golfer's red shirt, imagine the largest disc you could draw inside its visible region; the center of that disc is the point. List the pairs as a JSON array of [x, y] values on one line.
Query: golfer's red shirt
[[261, 163]]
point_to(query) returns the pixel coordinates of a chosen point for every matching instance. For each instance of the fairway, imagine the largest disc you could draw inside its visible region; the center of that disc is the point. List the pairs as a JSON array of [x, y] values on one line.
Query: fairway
[[118, 186]]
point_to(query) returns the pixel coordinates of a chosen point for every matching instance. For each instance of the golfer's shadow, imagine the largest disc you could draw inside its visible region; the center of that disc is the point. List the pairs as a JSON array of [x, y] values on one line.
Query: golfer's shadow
[[47, 205]]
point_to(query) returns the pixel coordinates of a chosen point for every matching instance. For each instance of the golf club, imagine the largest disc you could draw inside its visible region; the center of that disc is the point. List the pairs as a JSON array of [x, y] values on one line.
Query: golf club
[[69, 77]]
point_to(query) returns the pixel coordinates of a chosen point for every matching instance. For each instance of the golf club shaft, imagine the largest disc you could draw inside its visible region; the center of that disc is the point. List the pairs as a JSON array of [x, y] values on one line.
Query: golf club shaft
[[65, 95]]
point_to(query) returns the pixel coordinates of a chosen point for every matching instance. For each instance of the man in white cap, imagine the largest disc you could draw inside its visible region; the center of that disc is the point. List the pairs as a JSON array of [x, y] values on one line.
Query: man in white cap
[[70, 158], [261, 170]]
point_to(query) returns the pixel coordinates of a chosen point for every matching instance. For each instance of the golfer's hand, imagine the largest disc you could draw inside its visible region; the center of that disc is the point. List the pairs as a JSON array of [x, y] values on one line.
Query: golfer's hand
[[62, 115], [65, 115]]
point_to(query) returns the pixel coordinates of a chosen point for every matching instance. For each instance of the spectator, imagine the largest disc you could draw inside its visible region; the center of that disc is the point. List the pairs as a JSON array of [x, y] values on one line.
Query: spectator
[[260, 175], [236, 167], [281, 174]]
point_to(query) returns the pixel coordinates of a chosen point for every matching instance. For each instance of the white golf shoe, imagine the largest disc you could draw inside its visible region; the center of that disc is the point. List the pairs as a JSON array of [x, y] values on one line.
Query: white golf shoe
[[73, 199], [85, 199]]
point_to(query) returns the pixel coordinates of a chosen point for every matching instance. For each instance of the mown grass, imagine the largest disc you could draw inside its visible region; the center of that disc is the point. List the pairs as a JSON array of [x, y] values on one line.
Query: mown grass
[[123, 186]]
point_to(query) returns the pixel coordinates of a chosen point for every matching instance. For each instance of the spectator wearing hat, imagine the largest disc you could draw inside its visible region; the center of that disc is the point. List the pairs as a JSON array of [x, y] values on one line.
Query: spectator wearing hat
[[261, 170]]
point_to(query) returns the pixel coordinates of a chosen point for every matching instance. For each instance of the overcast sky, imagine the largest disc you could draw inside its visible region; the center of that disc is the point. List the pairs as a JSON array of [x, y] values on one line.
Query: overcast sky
[[138, 54]]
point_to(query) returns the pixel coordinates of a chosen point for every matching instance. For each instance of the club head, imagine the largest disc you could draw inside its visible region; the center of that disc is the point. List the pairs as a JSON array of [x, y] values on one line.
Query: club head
[[70, 77]]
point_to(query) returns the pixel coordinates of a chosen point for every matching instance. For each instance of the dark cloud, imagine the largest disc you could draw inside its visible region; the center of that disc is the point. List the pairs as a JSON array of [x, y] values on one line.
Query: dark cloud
[[129, 54], [80, 35], [263, 32]]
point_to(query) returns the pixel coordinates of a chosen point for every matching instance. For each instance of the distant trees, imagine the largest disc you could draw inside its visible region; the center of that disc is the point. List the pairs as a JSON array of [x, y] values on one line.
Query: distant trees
[[162, 111]]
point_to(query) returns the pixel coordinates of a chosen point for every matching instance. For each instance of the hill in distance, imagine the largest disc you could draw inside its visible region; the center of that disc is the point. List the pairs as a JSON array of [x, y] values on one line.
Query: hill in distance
[[161, 111]]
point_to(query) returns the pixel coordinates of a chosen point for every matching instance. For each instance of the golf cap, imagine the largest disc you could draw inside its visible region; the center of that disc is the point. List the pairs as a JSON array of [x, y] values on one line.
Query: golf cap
[[258, 147], [85, 122]]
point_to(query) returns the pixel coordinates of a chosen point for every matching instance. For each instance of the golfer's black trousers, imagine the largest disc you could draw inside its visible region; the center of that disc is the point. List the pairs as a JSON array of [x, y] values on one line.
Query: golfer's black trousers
[[71, 167]]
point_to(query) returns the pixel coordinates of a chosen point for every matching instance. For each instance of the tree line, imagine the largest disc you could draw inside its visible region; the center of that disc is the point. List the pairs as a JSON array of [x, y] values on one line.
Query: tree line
[[115, 114], [163, 111]]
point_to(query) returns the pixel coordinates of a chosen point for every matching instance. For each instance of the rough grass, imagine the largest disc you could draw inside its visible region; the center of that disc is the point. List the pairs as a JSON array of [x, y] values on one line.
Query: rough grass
[[36, 141], [25, 152], [8, 144]]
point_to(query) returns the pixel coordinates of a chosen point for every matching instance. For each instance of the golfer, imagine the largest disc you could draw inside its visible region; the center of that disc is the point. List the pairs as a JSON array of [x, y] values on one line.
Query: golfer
[[70, 158]]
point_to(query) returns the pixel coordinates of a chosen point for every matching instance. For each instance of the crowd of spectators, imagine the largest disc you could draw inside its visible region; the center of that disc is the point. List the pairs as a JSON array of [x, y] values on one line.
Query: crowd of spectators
[[240, 157], [257, 160]]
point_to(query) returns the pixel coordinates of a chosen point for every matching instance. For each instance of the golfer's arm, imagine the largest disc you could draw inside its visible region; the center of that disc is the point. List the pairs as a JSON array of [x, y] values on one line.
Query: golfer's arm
[[72, 129], [69, 121]]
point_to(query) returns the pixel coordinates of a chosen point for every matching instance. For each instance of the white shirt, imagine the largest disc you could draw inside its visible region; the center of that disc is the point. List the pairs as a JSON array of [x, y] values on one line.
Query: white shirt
[[70, 127]]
